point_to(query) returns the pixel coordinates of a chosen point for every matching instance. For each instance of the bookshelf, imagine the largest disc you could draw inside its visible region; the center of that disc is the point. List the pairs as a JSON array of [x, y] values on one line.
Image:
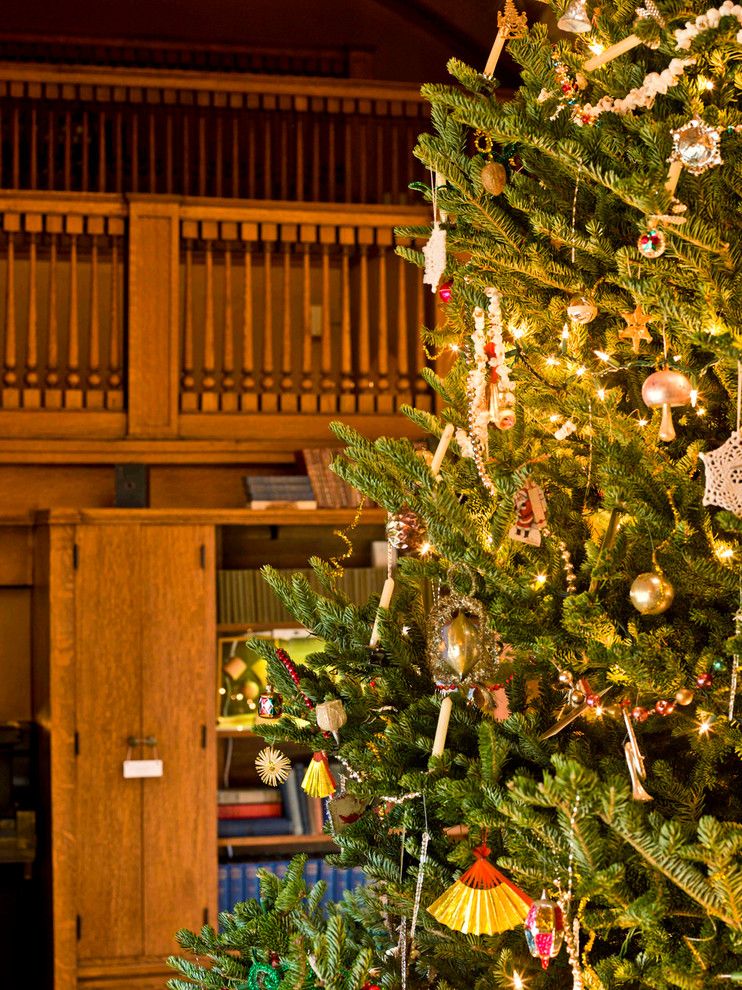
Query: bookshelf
[[285, 539]]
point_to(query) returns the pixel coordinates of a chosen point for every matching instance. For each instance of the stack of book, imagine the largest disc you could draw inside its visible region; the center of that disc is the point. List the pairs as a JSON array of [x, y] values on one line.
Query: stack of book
[[306, 814], [251, 811], [276, 491], [330, 490], [239, 881], [244, 597]]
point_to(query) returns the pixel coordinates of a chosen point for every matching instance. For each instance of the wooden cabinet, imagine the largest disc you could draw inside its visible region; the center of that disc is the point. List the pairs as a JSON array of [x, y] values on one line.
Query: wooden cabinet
[[124, 616]]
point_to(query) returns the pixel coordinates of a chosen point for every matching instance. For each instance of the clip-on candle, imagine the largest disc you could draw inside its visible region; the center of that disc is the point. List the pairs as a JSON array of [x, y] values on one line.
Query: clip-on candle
[[510, 24]]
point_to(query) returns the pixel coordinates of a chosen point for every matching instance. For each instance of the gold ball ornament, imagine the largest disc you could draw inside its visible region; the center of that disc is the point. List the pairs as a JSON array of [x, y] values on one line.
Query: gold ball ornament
[[494, 178], [684, 696], [581, 309], [651, 593], [405, 530]]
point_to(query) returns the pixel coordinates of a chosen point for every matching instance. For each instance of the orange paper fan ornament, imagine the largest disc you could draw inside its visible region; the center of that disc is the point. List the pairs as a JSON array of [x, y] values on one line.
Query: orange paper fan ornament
[[482, 901], [318, 780]]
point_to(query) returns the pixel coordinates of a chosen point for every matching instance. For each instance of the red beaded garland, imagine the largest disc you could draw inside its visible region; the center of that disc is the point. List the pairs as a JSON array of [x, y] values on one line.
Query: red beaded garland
[[705, 680], [639, 714]]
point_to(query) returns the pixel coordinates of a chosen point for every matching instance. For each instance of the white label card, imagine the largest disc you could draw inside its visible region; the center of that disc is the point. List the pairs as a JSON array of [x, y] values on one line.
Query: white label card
[[142, 768]]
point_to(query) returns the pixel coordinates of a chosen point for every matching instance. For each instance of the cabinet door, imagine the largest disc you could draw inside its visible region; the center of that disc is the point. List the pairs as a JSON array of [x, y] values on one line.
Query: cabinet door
[[178, 698], [108, 678]]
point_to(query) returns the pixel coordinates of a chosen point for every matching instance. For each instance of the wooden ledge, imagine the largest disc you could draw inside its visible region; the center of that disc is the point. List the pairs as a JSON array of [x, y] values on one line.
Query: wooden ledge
[[211, 517]]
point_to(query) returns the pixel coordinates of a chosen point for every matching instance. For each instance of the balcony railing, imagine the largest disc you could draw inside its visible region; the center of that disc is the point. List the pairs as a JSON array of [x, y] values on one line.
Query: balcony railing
[[142, 131], [164, 318]]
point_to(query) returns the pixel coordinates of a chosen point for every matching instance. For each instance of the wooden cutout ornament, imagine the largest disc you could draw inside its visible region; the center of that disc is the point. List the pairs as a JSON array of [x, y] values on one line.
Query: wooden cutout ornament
[[636, 327]]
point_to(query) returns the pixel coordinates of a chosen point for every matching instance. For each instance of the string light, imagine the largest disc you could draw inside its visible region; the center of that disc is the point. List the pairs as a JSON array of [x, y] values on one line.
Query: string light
[[551, 360], [602, 356], [518, 983], [705, 727], [596, 48], [425, 549], [724, 552], [554, 418], [700, 411], [454, 347], [705, 83], [517, 332], [539, 581], [581, 371], [643, 422], [600, 394], [693, 397]]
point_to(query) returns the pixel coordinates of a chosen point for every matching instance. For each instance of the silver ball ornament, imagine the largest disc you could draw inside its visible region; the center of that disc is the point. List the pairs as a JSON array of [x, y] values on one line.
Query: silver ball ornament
[[696, 145], [581, 309], [651, 593]]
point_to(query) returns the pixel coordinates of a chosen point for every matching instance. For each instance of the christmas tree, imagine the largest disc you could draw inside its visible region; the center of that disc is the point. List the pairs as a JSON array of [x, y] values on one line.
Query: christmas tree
[[566, 598]]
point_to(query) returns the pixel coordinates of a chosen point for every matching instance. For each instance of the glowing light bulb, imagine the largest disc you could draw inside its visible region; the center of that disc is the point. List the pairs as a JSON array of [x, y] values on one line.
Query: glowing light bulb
[[705, 83], [596, 48], [700, 411], [551, 360], [554, 418], [540, 580], [517, 332], [425, 549], [693, 397], [676, 357], [724, 552], [518, 983], [602, 356], [565, 332], [600, 394], [643, 422], [705, 727], [454, 347], [580, 371]]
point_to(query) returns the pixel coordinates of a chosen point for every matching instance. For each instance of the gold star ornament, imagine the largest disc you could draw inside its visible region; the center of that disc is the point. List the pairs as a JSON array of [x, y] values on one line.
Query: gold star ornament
[[272, 766], [636, 327]]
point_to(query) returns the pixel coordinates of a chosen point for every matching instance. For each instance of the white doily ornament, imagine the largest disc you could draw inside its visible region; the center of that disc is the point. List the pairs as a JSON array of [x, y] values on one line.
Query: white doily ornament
[[435, 256], [724, 475], [435, 249]]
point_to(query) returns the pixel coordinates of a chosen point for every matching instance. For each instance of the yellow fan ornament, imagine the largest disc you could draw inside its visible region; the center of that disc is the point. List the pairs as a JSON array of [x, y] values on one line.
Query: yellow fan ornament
[[318, 780], [482, 901]]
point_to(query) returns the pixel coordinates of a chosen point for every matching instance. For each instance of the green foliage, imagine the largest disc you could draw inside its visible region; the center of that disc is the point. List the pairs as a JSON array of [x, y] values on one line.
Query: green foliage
[[657, 885]]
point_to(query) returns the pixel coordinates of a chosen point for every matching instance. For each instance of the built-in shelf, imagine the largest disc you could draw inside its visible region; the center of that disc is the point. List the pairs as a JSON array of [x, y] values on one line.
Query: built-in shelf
[[280, 843], [218, 517]]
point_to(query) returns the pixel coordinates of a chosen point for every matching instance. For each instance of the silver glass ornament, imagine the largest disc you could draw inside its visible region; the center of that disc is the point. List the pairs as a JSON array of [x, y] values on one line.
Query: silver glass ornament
[[575, 19], [696, 146]]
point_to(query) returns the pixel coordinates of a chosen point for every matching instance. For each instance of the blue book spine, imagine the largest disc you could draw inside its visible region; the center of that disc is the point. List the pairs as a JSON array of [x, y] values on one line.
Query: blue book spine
[[223, 889], [358, 877], [232, 827], [234, 885], [311, 873], [250, 874]]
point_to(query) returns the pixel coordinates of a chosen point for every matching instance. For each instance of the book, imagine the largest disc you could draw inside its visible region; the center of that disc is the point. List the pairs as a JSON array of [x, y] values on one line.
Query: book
[[235, 885], [330, 490], [249, 795], [223, 899], [274, 809], [254, 826], [291, 802], [271, 491], [250, 872], [314, 805]]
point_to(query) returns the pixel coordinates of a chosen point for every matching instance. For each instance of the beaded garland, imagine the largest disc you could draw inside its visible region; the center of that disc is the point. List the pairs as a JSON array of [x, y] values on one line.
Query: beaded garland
[[654, 83]]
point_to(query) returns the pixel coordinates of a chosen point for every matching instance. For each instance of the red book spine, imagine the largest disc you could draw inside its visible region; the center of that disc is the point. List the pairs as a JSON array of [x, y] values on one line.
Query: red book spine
[[272, 810]]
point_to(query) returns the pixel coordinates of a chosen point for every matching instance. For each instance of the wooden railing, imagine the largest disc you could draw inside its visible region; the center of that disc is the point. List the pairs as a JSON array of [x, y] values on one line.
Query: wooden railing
[[235, 136], [62, 282], [155, 317], [298, 310], [345, 62]]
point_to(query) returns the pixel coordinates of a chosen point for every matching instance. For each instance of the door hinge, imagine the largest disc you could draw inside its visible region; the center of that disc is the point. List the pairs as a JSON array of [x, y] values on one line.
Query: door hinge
[[78, 927], [77, 743], [206, 916], [203, 556], [75, 556], [203, 736]]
